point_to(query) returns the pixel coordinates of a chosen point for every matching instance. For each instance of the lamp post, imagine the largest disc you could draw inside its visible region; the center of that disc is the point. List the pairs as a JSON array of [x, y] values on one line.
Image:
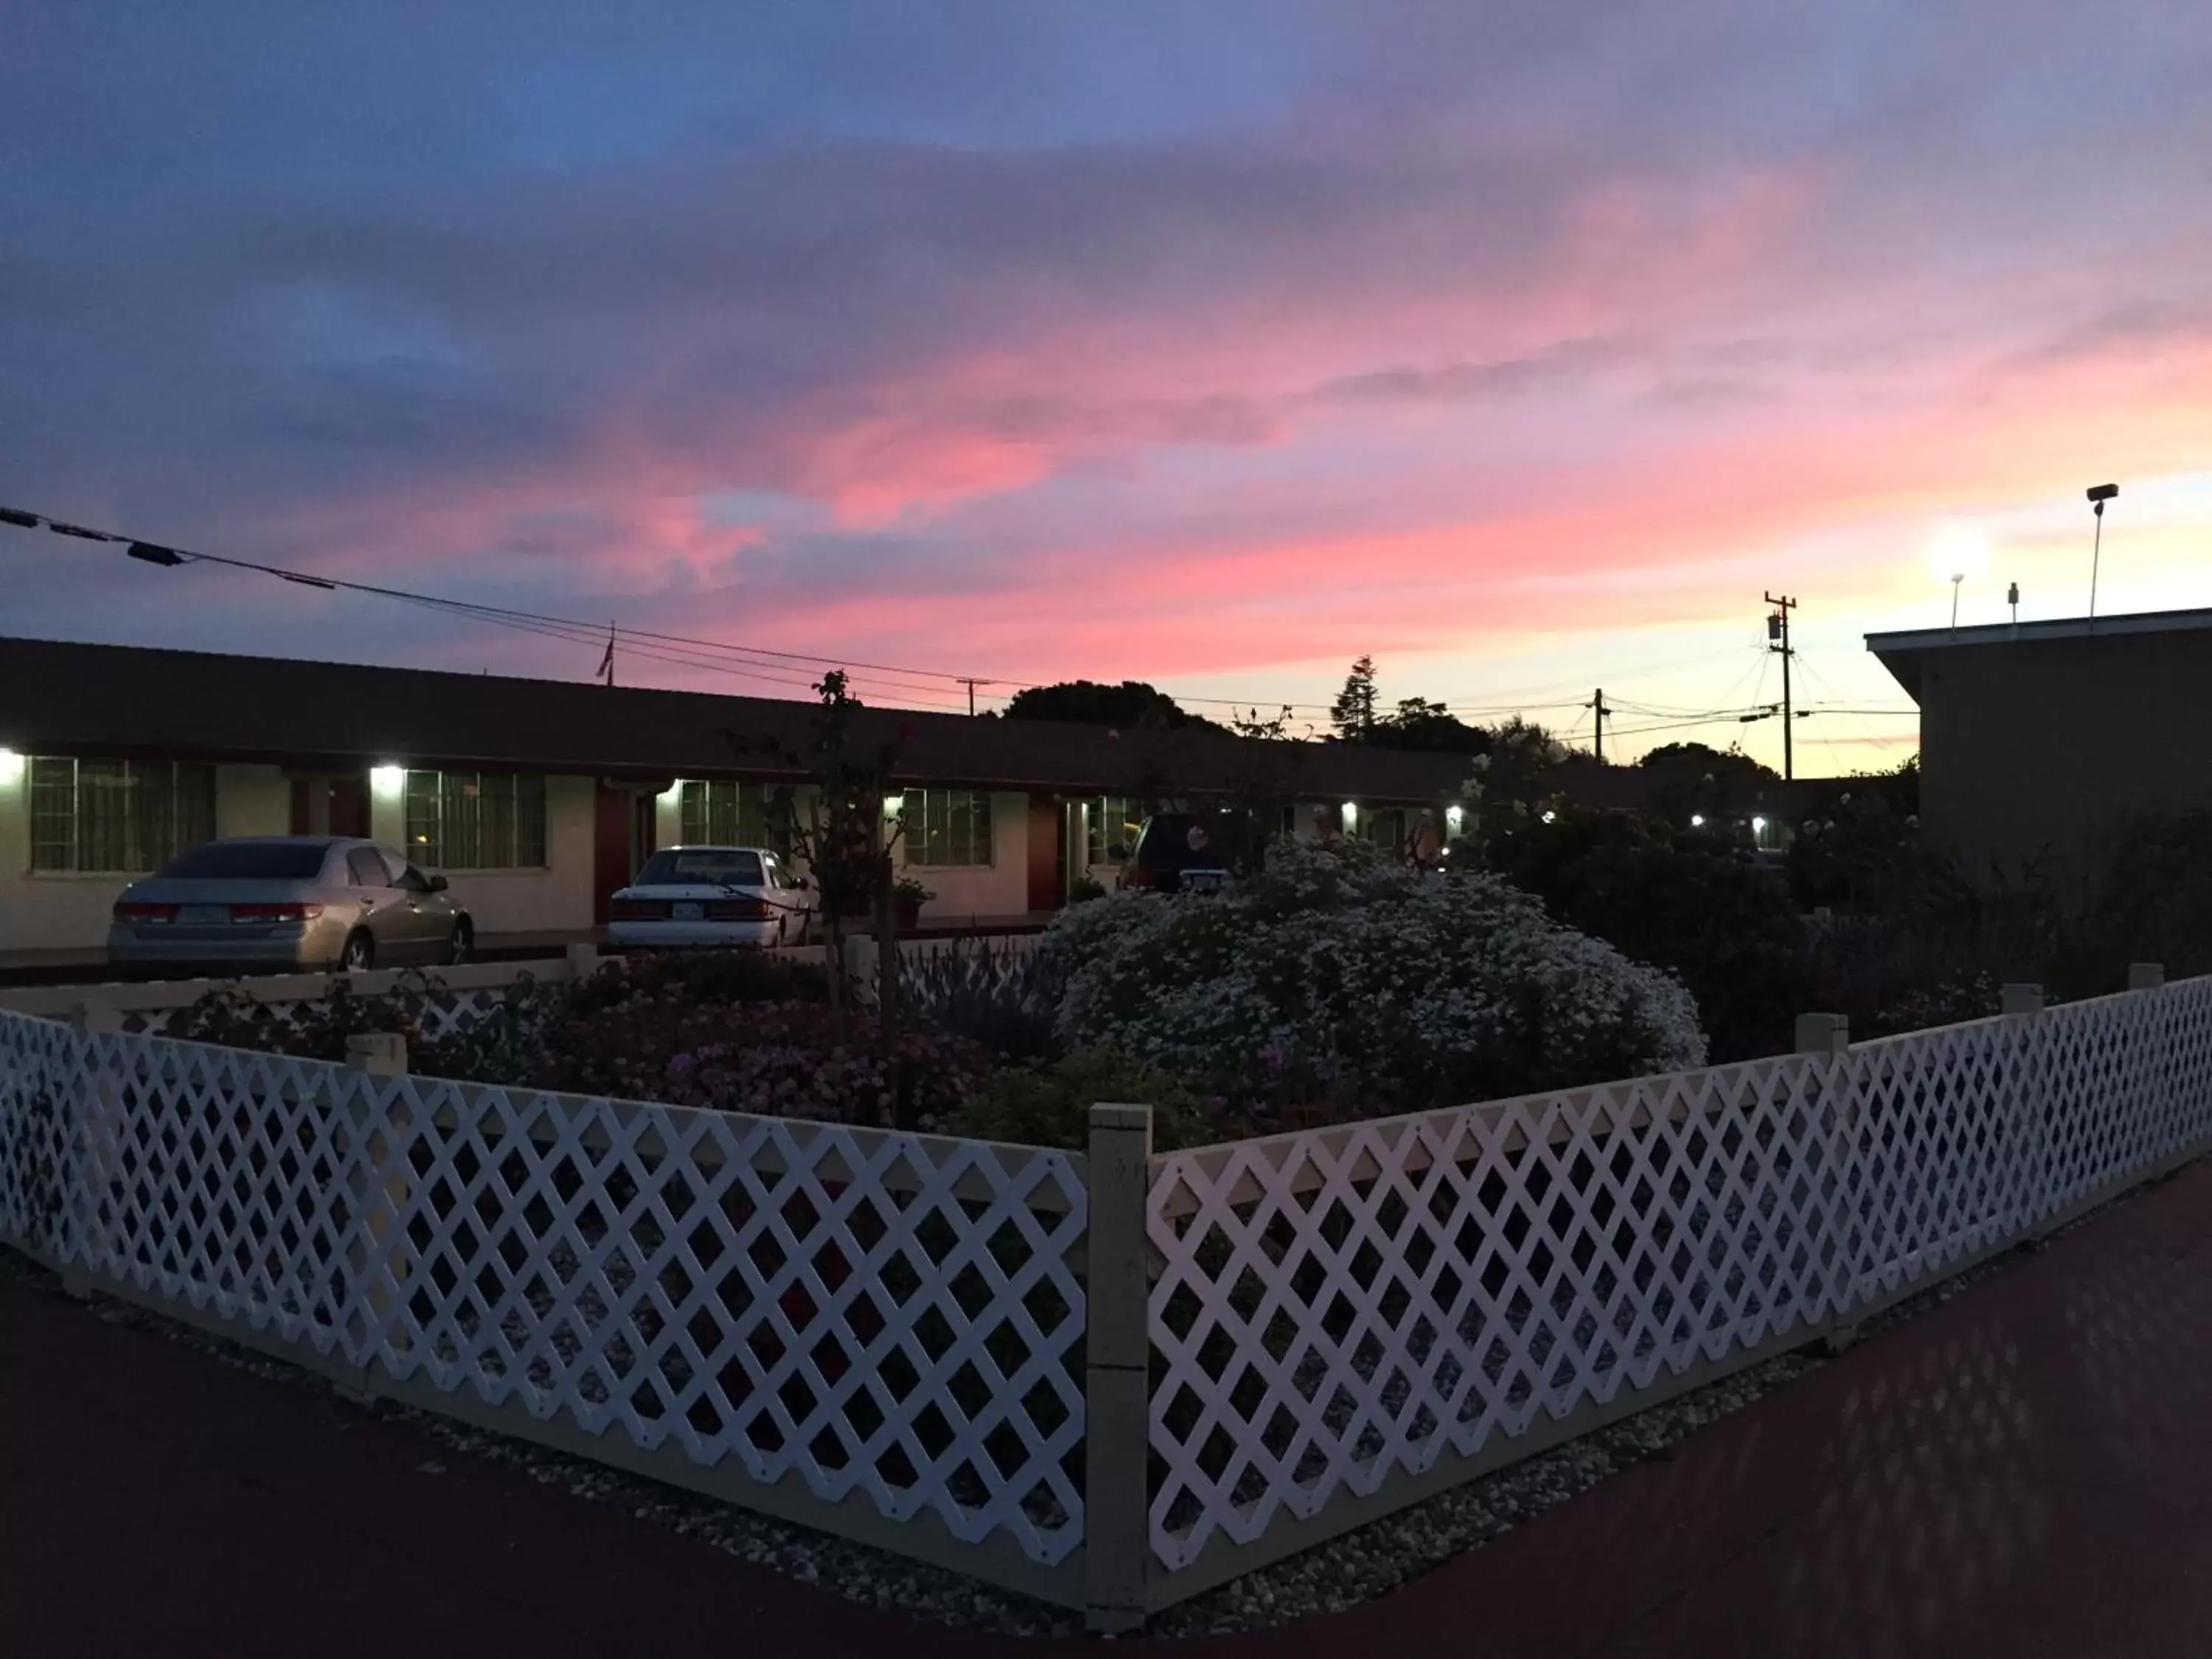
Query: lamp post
[[1957, 551], [2099, 494]]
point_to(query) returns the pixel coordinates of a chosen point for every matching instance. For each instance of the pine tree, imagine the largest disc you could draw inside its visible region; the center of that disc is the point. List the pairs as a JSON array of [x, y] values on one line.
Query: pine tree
[[1353, 712]]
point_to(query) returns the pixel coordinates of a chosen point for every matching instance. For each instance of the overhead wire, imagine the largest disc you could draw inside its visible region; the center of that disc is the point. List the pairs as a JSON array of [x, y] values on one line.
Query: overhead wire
[[795, 670]]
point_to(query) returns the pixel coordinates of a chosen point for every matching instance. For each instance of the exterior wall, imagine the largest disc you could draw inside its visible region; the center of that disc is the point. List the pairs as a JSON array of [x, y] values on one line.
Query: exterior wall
[[1002, 888], [64, 911], [2044, 750], [556, 899]]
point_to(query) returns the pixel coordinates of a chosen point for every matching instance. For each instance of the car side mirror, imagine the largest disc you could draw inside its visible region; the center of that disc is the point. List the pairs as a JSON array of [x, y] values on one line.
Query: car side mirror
[[437, 883]]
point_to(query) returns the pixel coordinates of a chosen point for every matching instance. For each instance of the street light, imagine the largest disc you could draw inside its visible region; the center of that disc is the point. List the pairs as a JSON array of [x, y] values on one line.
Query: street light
[[1958, 551], [2099, 494]]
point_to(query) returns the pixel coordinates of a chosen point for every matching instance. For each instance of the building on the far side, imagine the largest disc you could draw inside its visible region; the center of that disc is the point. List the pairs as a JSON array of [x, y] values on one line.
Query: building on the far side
[[2042, 742]]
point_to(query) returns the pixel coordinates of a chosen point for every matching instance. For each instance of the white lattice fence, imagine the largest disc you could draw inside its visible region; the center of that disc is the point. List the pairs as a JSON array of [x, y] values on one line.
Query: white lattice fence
[[888, 1324], [1345, 1319]]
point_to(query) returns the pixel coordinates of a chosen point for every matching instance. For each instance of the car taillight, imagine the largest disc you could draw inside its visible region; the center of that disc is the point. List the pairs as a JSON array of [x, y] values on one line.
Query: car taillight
[[267, 913], [737, 909], [156, 912], [637, 910]]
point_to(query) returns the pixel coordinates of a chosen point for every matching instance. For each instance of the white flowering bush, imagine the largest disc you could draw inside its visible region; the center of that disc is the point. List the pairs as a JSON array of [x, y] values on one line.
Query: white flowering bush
[[1337, 983]]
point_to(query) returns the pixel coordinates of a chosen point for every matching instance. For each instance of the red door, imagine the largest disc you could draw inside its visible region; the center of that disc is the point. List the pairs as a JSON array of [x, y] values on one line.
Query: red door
[[349, 807], [1048, 849], [611, 866], [330, 806]]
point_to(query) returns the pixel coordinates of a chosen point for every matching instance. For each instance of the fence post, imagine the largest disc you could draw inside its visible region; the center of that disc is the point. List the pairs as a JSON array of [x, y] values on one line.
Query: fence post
[[2145, 975], [380, 1054], [2022, 998], [1823, 1034], [1117, 1348]]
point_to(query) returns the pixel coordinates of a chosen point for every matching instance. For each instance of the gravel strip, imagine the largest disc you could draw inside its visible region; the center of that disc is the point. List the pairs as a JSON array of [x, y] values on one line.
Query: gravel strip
[[1349, 1569]]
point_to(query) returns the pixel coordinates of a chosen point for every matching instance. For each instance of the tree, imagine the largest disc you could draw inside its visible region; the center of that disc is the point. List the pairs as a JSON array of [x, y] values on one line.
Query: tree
[[1353, 712], [846, 840], [1087, 702], [1703, 758], [1432, 728], [1692, 779]]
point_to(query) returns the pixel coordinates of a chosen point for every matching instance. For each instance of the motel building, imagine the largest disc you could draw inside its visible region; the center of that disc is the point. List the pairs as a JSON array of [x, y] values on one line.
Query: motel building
[[537, 798]]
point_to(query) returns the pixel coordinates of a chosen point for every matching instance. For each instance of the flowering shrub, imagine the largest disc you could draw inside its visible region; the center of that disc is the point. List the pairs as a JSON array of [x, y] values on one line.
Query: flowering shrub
[[1337, 982], [781, 1058]]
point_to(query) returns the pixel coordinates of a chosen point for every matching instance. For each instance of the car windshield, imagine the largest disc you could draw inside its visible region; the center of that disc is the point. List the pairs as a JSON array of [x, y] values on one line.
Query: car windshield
[[249, 861], [720, 866]]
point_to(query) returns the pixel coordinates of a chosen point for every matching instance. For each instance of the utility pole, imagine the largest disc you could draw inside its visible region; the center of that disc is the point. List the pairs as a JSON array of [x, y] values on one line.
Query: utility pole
[[1778, 641], [1597, 704], [971, 685]]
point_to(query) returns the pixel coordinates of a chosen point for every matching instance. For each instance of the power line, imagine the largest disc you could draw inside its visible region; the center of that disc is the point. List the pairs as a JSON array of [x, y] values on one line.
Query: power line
[[674, 648], [794, 671]]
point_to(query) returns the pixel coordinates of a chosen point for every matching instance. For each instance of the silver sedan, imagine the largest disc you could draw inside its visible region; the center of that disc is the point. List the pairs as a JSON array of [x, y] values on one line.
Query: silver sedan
[[286, 904]]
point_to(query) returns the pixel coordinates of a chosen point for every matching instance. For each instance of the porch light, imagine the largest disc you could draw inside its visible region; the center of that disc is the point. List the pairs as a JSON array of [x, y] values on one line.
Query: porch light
[[11, 766], [673, 793], [893, 805], [1350, 815], [1759, 826], [1697, 820], [1551, 818], [1455, 815], [387, 778]]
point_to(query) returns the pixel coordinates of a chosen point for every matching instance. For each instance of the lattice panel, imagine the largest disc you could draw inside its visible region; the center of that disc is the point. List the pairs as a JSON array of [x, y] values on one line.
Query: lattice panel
[[1335, 1306], [39, 1151], [444, 1012], [894, 1315], [1333, 1309]]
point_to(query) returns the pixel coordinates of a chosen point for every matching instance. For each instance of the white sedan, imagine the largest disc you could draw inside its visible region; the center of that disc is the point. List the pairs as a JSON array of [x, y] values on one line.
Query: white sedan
[[689, 898]]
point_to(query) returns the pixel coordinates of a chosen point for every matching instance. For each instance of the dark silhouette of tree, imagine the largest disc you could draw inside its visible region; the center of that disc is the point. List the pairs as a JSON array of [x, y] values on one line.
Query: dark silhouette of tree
[[1703, 758], [1432, 728], [1087, 702], [1355, 712]]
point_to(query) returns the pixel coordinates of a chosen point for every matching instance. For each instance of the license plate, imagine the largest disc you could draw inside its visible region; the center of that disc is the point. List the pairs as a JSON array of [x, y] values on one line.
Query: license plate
[[687, 912], [202, 915]]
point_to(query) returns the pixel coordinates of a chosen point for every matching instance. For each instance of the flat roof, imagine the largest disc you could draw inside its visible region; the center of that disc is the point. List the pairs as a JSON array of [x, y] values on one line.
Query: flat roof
[[63, 697], [1909, 645]]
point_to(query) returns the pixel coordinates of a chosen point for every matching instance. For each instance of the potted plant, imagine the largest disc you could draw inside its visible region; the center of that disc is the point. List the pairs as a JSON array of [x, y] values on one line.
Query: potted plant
[[907, 896]]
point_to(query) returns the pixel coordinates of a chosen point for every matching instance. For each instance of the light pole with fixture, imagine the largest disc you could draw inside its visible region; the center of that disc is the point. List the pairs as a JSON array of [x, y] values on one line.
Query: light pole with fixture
[[2099, 494]]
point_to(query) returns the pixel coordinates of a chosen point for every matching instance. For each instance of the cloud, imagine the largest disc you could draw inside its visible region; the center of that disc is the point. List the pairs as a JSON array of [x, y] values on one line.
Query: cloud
[[1153, 341]]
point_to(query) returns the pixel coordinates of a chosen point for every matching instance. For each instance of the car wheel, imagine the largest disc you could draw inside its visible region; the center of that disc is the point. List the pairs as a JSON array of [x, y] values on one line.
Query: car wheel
[[463, 945], [359, 955]]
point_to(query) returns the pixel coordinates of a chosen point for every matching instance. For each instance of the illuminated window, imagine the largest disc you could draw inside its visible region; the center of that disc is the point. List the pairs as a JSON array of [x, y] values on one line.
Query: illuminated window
[[947, 828], [476, 820], [115, 817], [1115, 821], [720, 813]]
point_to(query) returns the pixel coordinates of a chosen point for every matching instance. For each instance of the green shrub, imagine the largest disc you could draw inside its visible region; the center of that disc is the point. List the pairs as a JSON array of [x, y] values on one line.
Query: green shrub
[[1048, 1103]]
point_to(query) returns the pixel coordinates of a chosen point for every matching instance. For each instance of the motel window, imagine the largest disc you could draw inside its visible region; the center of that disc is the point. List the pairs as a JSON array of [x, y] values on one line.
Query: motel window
[[117, 817], [475, 820], [1114, 821], [722, 814], [947, 828]]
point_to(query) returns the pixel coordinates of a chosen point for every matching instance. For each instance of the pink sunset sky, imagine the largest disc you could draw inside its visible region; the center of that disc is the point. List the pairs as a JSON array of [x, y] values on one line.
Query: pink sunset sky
[[1520, 346]]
